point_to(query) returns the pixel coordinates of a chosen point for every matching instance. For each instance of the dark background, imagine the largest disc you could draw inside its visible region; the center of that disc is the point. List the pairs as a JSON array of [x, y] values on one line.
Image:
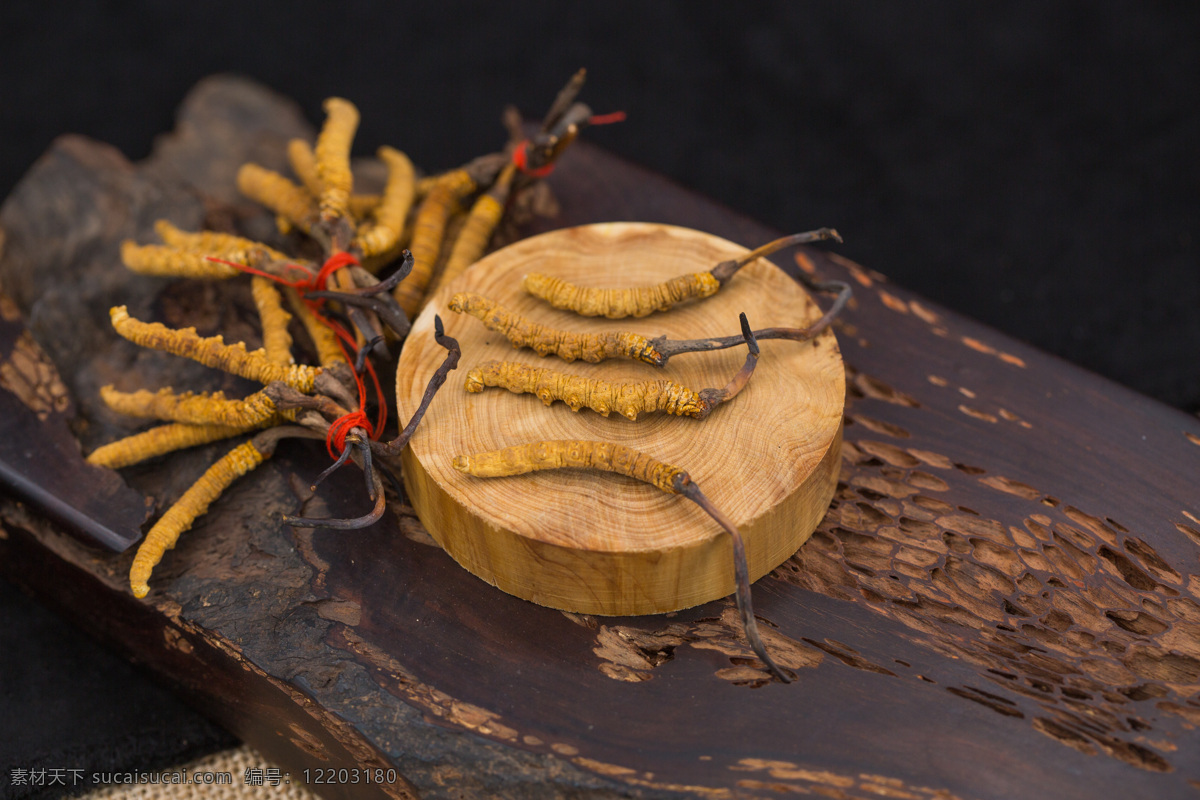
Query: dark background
[[1033, 165]]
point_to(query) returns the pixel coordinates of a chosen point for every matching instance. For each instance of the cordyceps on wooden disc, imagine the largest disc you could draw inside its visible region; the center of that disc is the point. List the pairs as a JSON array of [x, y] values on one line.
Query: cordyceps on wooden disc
[[596, 540]]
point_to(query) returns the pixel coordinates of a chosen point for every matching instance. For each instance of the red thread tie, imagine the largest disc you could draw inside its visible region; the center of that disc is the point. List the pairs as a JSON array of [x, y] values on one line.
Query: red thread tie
[[520, 157], [335, 437], [606, 119], [332, 265]]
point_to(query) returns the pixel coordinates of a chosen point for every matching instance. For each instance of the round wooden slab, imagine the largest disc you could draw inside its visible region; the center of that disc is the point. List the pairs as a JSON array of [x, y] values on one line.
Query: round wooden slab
[[601, 543]]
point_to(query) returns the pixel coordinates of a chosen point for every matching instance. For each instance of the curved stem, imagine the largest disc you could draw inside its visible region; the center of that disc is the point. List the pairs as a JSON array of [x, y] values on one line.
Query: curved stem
[[453, 353], [266, 441], [389, 312], [741, 574], [332, 468], [347, 524], [369, 285], [727, 269], [671, 347], [711, 398]]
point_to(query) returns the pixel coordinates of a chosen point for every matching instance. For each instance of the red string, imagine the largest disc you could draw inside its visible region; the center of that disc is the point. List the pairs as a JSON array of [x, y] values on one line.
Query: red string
[[520, 154], [520, 157], [335, 438], [332, 265], [606, 119]]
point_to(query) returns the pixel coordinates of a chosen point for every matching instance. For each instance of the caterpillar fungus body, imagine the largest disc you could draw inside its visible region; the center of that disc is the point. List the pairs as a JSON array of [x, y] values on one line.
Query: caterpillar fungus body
[[610, 457], [628, 398], [342, 306], [644, 300], [544, 340]]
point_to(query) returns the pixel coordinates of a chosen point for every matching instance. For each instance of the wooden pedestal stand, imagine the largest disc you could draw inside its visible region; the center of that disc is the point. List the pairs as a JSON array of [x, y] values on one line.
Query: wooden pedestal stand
[[598, 543]]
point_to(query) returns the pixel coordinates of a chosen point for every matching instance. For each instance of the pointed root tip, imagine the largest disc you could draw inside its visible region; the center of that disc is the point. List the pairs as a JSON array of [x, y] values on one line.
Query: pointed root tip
[[748, 334], [778, 673], [333, 522]]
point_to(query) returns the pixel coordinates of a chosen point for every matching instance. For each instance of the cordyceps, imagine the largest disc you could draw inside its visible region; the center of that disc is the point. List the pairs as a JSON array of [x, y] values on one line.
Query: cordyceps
[[610, 457], [627, 398], [640, 301], [348, 312], [596, 347]]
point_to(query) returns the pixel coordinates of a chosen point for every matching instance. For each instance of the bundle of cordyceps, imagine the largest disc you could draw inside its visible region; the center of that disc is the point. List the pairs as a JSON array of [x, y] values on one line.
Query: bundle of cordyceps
[[353, 303], [358, 298]]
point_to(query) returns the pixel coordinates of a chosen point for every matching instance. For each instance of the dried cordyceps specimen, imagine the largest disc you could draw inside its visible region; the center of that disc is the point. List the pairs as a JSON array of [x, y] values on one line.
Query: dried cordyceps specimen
[[391, 211], [333, 159], [544, 340], [344, 308], [597, 347], [609, 457], [277, 342], [193, 409], [604, 397], [477, 230], [430, 226], [191, 255], [195, 501], [161, 440], [212, 352], [644, 300]]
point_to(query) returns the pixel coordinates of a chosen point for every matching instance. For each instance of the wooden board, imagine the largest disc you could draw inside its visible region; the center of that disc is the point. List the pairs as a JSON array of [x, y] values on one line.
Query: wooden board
[[601, 543], [1002, 602]]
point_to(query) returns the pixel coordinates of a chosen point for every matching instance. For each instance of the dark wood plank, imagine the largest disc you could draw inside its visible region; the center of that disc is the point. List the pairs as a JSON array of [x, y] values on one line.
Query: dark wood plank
[[1001, 602], [39, 455]]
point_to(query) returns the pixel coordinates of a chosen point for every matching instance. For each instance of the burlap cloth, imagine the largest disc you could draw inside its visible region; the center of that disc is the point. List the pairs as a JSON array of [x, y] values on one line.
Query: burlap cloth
[[236, 762]]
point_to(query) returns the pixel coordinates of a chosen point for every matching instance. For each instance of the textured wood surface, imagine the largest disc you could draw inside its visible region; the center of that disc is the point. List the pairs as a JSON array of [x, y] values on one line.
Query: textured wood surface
[[1002, 601], [599, 543]]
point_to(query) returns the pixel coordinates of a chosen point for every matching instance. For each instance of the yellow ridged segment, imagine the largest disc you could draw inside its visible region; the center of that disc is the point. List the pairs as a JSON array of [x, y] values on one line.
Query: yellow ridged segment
[[160, 441], [363, 205], [304, 164], [621, 303], [477, 231], [323, 337], [223, 245], [279, 194], [424, 186], [196, 409], [212, 352], [605, 456], [428, 230], [169, 262], [388, 217], [544, 340], [577, 391], [277, 341], [333, 157], [180, 517]]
